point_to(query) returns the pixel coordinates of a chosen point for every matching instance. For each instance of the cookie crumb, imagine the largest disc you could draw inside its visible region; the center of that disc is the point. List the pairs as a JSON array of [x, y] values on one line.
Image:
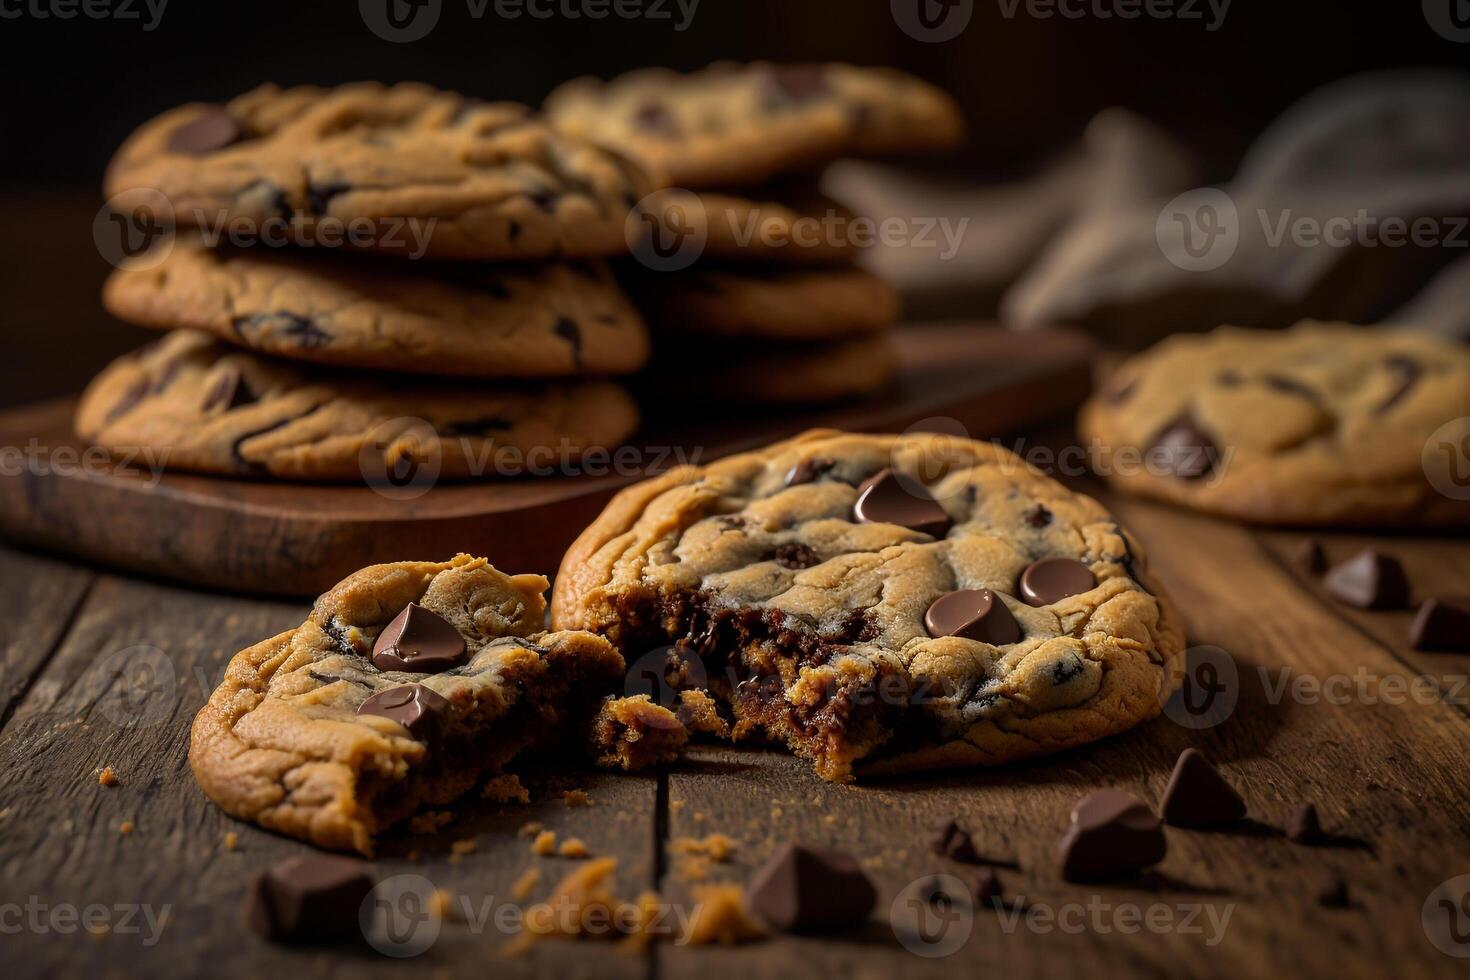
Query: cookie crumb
[[232, 840], [106, 777], [585, 895], [573, 847], [720, 917], [429, 822], [126, 827], [576, 797], [530, 828], [506, 789], [677, 805], [460, 848], [544, 844], [525, 884]]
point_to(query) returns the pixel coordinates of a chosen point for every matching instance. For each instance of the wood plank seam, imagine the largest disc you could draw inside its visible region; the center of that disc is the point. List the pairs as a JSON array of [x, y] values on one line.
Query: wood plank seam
[[23, 690], [1337, 615]]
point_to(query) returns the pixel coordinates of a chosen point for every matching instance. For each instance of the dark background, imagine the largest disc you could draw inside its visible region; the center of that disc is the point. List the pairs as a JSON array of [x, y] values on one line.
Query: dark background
[[77, 87]]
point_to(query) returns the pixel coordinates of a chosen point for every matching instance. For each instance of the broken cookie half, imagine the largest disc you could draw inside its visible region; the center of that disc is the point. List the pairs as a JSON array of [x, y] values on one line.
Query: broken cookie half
[[408, 684]]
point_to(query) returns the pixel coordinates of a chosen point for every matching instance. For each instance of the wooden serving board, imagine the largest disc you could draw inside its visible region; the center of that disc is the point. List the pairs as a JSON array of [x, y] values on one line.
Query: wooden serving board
[[299, 539]]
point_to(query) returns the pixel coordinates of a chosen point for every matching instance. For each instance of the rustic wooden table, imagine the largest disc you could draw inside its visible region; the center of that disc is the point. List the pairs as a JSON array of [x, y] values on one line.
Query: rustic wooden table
[[1388, 770]]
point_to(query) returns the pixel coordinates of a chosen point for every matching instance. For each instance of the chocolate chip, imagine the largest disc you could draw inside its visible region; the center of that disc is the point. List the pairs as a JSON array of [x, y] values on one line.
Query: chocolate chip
[[1310, 557], [1290, 386], [229, 392], [319, 196], [951, 841], [1442, 623], [566, 328], [315, 896], [984, 886], [975, 614], [655, 117], [301, 330], [1198, 796], [809, 470], [211, 130], [420, 641], [1185, 450], [1113, 833], [809, 889], [545, 200], [1332, 893], [892, 498], [1305, 827], [414, 706], [1038, 516], [1409, 371], [1369, 580], [796, 556], [1054, 579]]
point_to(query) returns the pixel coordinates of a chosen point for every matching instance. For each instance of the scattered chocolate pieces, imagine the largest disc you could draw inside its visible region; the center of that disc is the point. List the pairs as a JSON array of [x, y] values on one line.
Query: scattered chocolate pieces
[[891, 498], [1053, 579], [213, 129], [1442, 623], [1185, 450], [1113, 833], [951, 841], [312, 897], [418, 641], [975, 614], [1305, 827], [1369, 580], [808, 889], [1198, 796], [415, 707], [1310, 557]]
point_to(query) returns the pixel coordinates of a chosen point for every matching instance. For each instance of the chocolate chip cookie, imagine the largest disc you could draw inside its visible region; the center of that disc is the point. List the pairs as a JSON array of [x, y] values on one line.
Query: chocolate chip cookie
[[772, 373], [773, 303], [787, 222], [882, 602], [194, 403], [1319, 424], [735, 125], [479, 320], [408, 683], [401, 168]]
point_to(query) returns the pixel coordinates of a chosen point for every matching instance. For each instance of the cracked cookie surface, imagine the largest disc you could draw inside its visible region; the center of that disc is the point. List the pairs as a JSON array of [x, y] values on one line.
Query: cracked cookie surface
[[193, 403], [1319, 424], [283, 741], [733, 125], [771, 579], [553, 320], [429, 172]]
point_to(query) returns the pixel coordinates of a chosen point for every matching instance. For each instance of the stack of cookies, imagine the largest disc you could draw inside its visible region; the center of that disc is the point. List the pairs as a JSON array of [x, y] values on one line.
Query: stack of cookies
[[747, 273], [454, 312]]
